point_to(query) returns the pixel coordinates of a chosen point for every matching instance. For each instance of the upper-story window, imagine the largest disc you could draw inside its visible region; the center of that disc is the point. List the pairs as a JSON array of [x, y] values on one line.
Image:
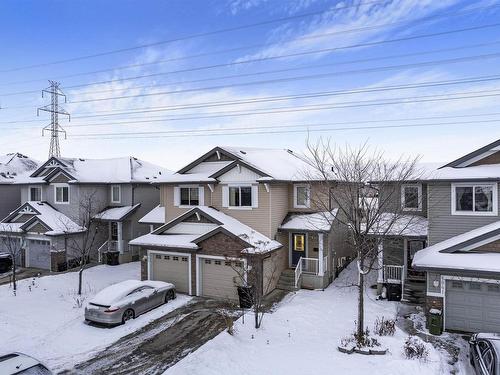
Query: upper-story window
[[35, 193], [411, 197], [116, 194], [240, 196], [301, 196], [61, 193], [190, 196], [474, 199]]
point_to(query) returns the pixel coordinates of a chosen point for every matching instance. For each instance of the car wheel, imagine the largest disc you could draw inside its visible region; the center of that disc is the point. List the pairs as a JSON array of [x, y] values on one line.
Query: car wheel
[[127, 315], [169, 295]]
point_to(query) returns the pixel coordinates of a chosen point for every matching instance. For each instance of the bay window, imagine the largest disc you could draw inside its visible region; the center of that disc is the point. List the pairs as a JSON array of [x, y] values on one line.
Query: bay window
[[474, 199]]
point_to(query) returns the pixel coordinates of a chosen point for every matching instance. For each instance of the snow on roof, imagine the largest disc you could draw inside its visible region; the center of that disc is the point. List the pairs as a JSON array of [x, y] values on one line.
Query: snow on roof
[[155, 216], [390, 224], [11, 227], [487, 171], [434, 257], [116, 213], [318, 221], [184, 241], [187, 177], [15, 165]]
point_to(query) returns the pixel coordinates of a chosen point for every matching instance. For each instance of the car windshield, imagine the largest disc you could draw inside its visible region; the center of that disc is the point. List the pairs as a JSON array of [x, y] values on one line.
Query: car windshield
[[36, 370]]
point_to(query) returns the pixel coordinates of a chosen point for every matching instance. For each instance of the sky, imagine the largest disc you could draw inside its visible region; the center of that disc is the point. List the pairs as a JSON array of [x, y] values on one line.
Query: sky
[[166, 81]]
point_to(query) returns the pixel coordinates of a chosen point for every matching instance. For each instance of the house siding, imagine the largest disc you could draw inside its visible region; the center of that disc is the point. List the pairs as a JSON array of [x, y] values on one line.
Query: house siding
[[390, 195], [11, 199], [444, 225]]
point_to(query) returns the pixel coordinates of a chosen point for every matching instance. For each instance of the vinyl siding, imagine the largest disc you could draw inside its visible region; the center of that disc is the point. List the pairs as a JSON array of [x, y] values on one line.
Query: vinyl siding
[[391, 196], [279, 206], [444, 225], [11, 199]]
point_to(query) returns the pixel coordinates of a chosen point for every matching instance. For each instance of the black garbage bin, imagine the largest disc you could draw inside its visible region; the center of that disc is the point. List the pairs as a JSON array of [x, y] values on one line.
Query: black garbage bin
[[245, 294], [5, 262], [112, 258], [394, 292]]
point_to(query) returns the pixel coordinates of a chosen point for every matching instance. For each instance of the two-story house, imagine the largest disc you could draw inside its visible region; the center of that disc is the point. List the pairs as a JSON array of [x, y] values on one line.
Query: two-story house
[[54, 198], [463, 260], [234, 203], [12, 167]]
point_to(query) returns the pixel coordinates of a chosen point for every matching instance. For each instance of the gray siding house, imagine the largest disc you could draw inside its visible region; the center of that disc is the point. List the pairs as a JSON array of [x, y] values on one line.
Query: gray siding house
[[462, 262], [53, 197]]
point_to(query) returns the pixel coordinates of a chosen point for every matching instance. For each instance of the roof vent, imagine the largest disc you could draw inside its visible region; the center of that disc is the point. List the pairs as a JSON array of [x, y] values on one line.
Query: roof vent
[[289, 151], [243, 152], [81, 159], [159, 172]]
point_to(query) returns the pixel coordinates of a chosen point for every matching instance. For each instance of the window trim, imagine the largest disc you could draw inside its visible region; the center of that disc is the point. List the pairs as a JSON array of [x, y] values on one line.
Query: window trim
[[493, 212], [61, 185], [35, 187], [189, 187], [295, 196], [419, 197], [239, 186], [119, 194]]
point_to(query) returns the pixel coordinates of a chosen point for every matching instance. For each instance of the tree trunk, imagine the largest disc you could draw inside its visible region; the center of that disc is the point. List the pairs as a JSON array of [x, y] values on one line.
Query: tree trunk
[[80, 278], [14, 283], [361, 317]]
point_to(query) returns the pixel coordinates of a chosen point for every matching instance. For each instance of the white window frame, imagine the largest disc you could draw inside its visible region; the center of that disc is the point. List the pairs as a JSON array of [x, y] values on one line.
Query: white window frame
[[295, 196], [61, 185], [119, 194], [493, 212], [240, 207], [35, 187], [178, 196], [419, 197]]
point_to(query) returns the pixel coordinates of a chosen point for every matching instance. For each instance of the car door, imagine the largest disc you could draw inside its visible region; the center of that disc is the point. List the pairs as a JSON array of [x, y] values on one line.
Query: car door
[[156, 298], [139, 300], [483, 358]]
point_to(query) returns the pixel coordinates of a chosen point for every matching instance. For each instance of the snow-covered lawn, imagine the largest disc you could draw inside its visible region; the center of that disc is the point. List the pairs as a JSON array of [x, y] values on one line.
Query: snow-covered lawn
[[47, 323], [301, 337]]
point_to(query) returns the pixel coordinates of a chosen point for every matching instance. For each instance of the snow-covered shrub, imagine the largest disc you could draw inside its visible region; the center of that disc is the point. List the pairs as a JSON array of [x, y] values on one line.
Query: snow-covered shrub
[[365, 341], [414, 348], [79, 301], [228, 316], [384, 327]]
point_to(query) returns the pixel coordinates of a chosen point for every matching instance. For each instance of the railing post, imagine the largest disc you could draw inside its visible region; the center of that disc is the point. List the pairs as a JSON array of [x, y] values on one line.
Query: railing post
[[380, 258], [320, 270]]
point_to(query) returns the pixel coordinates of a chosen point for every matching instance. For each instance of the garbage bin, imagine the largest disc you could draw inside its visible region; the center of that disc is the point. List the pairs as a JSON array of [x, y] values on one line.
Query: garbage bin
[[245, 294], [112, 258], [435, 322], [394, 292]]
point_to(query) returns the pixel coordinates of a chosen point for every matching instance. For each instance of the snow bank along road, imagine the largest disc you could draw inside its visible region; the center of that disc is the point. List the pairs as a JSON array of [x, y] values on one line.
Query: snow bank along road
[[45, 320]]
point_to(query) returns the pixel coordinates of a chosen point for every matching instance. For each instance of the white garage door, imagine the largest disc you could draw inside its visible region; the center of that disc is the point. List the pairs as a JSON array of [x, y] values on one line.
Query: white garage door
[[38, 254], [171, 268], [220, 278], [472, 306]]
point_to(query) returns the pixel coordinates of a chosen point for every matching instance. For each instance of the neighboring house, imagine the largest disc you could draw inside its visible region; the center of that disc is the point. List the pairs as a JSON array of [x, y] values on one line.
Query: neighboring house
[[121, 190], [232, 203], [12, 166], [463, 260]]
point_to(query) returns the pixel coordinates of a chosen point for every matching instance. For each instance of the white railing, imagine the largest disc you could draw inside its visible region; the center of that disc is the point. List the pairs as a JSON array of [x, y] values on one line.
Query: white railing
[[309, 266], [298, 272], [393, 274]]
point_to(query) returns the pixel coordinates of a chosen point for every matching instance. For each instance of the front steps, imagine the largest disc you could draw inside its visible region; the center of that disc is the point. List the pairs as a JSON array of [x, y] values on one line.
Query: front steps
[[287, 280], [414, 291]]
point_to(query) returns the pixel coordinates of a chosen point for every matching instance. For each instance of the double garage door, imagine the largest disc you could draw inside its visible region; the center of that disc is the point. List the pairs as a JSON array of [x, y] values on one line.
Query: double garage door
[[38, 254], [217, 278], [472, 306]]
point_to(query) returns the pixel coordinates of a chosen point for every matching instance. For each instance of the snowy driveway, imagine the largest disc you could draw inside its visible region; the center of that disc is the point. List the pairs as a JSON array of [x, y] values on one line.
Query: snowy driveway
[[47, 323]]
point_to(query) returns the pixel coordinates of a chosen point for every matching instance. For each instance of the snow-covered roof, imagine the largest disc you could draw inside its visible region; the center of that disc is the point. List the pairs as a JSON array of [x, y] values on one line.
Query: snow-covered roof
[[318, 221], [14, 166], [258, 243], [116, 213], [114, 170], [438, 255], [56, 221], [478, 172], [391, 224], [155, 216]]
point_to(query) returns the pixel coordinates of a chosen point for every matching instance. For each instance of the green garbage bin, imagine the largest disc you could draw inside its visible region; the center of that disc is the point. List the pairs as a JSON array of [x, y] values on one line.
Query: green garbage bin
[[435, 322]]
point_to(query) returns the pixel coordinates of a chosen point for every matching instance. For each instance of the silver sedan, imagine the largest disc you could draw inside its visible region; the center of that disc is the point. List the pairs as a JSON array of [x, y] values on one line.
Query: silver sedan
[[126, 300]]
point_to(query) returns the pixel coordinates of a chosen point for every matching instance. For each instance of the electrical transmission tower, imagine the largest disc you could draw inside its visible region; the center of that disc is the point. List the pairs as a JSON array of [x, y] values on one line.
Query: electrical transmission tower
[[54, 109]]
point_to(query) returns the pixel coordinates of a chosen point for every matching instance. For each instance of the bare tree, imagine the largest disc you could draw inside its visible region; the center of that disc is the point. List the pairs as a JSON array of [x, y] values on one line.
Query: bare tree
[[364, 187], [12, 245]]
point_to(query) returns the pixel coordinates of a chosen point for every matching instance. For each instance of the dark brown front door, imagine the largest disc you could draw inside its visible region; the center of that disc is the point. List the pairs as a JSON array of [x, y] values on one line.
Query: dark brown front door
[[412, 247], [298, 247]]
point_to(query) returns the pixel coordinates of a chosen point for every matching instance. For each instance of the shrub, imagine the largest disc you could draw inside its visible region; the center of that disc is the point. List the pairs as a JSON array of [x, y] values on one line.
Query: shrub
[[363, 341], [414, 348], [384, 327]]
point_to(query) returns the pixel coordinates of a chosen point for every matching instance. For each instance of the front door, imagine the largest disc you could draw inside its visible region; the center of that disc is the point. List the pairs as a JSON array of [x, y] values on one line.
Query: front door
[[298, 247], [412, 247], [114, 231]]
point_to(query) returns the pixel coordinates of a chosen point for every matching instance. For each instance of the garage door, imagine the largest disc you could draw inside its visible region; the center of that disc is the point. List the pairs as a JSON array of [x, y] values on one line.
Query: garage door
[[472, 306], [171, 268], [220, 278], [38, 254]]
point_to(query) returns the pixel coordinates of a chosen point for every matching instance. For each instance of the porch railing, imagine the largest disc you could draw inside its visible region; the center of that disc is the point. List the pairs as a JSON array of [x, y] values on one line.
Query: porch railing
[[393, 274], [309, 266], [111, 246]]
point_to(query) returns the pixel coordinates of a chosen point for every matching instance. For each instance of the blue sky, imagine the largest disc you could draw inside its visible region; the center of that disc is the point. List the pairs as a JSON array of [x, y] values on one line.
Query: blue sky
[[36, 32]]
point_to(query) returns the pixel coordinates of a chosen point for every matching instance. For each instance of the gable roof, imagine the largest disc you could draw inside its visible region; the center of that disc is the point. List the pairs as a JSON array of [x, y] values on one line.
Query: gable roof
[[116, 213], [56, 222], [15, 165], [114, 170], [314, 222], [476, 155], [155, 216]]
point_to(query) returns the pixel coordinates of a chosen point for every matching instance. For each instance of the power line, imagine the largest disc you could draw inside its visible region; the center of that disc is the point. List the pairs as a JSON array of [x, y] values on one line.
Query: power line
[[314, 36], [193, 36]]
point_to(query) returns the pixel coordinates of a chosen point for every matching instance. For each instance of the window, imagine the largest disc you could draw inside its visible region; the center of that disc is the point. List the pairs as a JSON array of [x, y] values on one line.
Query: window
[[411, 197], [190, 196], [474, 199], [116, 194], [208, 261], [158, 256], [184, 259], [475, 286], [175, 258], [240, 196], [61, 192], [457, 285], [217, 262], [166, 257], [301, 196], [299, 242], [35, 193]]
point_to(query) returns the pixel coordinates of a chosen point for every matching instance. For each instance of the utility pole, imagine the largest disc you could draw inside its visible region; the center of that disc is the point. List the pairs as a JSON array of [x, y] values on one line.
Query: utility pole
[[55, 111]]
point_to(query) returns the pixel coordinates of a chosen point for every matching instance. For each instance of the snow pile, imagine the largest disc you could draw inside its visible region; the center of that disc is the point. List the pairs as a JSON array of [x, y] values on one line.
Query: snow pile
[[301, 337], [47, 323]]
